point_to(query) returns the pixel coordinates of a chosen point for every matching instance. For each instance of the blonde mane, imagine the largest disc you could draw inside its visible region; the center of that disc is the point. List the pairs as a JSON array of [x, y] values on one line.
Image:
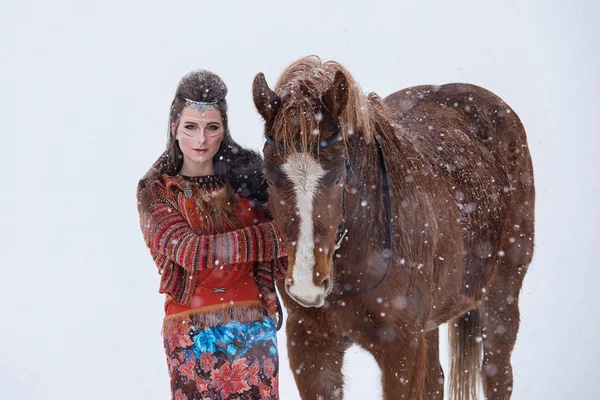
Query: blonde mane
[[300, 89]]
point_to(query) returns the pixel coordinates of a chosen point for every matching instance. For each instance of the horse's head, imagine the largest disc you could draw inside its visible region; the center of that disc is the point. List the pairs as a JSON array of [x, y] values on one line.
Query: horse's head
[[306, 168]]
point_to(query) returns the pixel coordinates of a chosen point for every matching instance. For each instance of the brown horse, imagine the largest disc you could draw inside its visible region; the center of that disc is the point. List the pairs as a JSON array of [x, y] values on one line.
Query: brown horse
[[434, 187]]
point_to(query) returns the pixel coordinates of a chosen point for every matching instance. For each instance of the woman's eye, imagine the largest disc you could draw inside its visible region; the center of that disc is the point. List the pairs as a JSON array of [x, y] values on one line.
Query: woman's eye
[[190, 127], [213, 127]]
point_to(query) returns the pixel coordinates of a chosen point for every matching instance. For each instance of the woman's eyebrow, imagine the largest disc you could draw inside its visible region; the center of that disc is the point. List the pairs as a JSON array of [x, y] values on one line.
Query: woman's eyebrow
[[210, 121]]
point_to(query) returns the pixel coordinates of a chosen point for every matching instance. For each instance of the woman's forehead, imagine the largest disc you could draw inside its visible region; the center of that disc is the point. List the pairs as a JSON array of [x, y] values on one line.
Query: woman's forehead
[[192, 114]]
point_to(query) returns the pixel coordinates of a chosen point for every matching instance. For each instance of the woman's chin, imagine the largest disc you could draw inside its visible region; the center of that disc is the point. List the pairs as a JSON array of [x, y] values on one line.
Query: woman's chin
[[198, 158]]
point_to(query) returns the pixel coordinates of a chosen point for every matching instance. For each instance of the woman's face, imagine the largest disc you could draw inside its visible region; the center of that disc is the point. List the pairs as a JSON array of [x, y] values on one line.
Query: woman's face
[[199, 134]]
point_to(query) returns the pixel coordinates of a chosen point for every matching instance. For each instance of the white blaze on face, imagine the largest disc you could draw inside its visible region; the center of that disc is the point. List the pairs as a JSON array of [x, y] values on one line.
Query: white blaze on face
[[305, 173]]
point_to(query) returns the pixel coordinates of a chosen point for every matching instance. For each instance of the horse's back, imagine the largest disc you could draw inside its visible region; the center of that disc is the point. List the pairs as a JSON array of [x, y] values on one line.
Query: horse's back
[[485, 116], [482, 117], [404, 100]]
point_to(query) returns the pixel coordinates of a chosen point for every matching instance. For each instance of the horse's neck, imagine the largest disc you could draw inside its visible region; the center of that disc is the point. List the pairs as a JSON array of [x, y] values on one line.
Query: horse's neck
[[365, 215], [366, 202]]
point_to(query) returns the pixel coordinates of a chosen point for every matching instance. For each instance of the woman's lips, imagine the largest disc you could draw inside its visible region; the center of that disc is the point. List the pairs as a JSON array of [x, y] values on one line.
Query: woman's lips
[[200, 150]]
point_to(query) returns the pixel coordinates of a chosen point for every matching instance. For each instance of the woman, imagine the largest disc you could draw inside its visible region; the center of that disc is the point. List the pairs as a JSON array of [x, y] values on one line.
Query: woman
[[202, 217]]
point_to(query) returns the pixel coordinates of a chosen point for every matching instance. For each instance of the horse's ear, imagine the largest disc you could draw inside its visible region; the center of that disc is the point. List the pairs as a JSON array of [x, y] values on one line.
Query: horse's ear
[[265, 100], [336, 97]]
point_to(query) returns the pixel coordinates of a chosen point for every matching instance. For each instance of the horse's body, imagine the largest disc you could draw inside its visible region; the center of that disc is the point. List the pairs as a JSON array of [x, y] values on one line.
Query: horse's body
[[462, 200]]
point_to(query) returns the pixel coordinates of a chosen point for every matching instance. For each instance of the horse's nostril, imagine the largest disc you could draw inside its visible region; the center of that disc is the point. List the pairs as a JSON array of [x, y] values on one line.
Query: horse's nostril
[[326, 284]]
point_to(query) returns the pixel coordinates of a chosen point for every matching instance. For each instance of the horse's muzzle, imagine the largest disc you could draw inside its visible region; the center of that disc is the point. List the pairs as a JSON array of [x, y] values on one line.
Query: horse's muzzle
[[309, 296]]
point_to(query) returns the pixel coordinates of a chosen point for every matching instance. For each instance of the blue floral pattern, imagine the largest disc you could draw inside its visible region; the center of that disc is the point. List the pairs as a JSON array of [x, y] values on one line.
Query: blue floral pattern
[[234, 338]]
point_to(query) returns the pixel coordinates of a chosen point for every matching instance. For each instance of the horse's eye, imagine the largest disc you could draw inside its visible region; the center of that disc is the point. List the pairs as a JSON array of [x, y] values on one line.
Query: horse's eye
[[339, 180], [269, 180]]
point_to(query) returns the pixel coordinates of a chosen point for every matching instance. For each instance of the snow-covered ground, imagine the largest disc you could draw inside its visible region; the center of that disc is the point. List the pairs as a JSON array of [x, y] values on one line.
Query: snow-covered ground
[[86, 88]]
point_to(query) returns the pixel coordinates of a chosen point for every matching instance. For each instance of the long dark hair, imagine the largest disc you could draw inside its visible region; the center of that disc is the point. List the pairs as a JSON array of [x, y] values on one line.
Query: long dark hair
[[238, 166]]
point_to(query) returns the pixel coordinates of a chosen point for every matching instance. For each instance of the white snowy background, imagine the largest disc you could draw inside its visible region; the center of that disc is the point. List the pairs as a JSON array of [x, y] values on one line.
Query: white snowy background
[[85, 91]]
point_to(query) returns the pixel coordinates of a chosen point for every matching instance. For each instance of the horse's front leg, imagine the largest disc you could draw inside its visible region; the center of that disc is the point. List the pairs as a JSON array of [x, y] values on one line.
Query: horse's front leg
[[316, 356], [403, 363], [404, 369]]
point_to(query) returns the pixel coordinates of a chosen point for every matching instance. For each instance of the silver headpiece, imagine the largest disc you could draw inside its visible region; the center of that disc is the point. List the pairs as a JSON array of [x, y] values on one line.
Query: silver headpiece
[[200, 105]]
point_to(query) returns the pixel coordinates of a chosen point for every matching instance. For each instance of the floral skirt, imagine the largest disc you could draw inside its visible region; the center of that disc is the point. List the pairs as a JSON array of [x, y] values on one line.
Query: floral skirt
[[229, 353]]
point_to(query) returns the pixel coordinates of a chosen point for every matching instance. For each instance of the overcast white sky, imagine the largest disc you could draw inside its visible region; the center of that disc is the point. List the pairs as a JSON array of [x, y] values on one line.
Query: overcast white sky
[[86, 88]]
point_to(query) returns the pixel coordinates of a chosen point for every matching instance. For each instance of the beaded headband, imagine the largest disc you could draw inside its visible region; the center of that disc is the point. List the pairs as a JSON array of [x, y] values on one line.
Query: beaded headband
[[200, 105]]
